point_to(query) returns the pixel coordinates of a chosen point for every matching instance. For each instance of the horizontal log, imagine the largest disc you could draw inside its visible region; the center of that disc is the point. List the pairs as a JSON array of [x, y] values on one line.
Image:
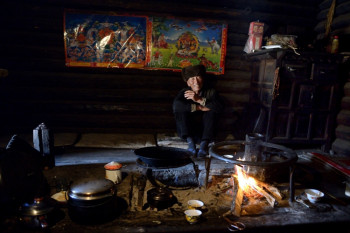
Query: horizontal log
[[347, 89], [243, 76], [341, 147], [238, 39], [33, 9], [34, 23], [327, 3], [341, 8], [272, 7], [51, 93], [35, 38], [287, 19], [345, 103], [343, 132], [343, 117], [234, 86], [79, 107], [63, 122], [95, 81], [25, 51], [339, 22], [236, 64]]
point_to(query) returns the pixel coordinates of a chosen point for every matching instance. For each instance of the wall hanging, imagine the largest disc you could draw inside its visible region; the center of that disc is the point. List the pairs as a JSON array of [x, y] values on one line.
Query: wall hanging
[[178, 43], [97, 40], [125, 41]]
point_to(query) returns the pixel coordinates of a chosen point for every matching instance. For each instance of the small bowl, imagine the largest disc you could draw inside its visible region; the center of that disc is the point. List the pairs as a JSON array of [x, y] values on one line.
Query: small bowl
[[195, 204], [314, 195], [193, 216]]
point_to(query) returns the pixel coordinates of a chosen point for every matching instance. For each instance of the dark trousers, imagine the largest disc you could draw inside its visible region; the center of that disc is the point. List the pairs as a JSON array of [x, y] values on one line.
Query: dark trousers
[[199, 125]]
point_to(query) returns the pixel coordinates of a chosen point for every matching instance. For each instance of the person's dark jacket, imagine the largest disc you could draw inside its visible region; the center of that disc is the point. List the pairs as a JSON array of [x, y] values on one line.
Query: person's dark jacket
[[213, 100]]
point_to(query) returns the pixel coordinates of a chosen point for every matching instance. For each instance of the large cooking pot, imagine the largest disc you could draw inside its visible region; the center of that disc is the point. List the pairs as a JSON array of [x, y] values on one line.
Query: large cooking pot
[[39, 213], [163, 157], [92, 200]]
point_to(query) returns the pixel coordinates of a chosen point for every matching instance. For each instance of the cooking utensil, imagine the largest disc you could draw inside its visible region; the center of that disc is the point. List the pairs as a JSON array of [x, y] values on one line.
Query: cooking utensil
[[234, 226], [301, 201], [37, 214], [92, 200], [163, 157], [160, 198]]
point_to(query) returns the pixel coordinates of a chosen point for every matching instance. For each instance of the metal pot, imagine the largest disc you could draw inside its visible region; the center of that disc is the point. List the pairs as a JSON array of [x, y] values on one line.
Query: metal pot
[[92, 200], [163, 157], [38, 214], [160, 198]]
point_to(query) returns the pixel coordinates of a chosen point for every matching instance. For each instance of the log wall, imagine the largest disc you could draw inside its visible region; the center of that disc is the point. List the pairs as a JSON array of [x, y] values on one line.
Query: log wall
[[340, 26], [40, 88]]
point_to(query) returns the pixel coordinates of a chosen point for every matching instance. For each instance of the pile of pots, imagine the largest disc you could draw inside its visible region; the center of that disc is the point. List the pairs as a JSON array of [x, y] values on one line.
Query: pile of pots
[[89, 201]]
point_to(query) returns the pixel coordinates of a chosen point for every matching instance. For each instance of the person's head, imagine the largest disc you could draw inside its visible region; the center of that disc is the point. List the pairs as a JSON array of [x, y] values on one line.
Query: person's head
[[193, 76]]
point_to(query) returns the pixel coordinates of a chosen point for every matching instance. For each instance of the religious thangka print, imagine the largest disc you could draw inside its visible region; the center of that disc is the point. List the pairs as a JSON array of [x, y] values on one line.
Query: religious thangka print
[[100, 40], [178, 43]]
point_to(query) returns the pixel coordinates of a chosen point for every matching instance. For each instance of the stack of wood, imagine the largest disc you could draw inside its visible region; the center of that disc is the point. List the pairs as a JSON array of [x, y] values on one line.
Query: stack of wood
[[244, 185]]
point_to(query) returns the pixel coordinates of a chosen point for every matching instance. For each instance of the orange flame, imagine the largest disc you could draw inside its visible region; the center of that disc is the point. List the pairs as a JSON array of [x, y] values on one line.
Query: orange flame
[[244, 181]]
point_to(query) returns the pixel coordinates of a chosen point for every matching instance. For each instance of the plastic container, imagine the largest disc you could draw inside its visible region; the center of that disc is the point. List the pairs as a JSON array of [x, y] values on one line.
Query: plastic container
[[335, 45]]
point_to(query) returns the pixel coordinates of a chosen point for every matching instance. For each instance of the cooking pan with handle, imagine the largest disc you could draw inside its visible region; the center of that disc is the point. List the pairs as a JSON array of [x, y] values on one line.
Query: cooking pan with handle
[[163, 157]]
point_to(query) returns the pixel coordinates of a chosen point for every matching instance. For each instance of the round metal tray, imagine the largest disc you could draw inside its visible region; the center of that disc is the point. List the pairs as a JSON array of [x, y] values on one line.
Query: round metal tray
[[233, 152]]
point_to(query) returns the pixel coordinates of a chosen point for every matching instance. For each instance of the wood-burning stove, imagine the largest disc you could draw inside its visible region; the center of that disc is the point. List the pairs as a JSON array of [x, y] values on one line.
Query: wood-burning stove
[[275, 160]]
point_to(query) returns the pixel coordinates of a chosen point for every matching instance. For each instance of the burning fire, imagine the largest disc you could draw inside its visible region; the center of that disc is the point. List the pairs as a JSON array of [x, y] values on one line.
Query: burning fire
[[256, 189], [244, 181]]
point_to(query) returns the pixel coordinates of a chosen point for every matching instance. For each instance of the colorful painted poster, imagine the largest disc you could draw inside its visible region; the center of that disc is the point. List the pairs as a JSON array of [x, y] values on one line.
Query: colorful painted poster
[[179, 43], [98, 40]]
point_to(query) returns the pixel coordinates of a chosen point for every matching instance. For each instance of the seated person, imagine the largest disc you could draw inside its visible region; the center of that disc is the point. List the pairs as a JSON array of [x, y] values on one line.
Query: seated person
[[196, 109]]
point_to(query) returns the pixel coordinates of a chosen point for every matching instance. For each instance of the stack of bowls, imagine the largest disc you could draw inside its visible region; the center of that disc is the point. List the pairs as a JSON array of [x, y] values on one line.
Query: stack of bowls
[[193, 214]]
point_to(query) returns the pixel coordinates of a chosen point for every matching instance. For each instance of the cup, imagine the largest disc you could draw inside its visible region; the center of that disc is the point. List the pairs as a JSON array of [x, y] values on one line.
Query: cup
[[195, 204], [113, 172], [314, 195], [193, 216]]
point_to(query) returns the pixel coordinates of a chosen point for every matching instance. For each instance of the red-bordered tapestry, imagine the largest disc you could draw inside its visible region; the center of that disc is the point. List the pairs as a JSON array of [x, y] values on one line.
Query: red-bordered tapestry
[[124, 41], [99, 40], [178, 43]]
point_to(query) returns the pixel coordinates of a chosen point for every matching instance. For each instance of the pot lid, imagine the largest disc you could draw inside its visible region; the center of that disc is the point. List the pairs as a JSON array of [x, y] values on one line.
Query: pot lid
[[39, 206], [91, 189], [113, 166]]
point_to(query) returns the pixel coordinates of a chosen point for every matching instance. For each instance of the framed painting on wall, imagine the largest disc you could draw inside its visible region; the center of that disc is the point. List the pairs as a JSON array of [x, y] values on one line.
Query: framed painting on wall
[[178, 43], [100, 40]]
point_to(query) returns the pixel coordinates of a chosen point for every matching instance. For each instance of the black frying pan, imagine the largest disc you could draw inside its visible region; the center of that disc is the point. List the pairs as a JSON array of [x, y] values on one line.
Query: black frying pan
[[163, 157]]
